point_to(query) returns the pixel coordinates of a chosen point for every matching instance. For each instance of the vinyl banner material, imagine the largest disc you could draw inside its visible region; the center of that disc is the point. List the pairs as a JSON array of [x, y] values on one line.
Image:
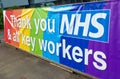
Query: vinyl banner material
[[84, 37]]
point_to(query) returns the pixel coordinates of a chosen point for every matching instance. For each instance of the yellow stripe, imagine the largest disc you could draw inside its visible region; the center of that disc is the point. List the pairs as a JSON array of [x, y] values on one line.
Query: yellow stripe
[[25, 32]]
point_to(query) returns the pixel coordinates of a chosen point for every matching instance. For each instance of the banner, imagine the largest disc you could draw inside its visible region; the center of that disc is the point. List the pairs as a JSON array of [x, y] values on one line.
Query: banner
[[84, 37]]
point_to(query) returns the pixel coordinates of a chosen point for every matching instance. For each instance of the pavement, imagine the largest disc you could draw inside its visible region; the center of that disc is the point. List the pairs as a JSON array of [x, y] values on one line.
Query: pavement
[[17, 64]]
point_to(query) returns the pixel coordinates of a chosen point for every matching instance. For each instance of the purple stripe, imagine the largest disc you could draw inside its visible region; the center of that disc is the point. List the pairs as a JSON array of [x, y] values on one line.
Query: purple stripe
[[111, 49]]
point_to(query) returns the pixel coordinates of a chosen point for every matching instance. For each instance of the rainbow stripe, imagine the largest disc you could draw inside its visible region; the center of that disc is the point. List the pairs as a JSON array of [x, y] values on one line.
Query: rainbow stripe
[[35, 35]]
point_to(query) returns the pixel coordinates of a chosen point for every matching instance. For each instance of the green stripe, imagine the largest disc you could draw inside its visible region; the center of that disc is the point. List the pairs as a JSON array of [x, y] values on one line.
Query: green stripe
[[38, 13]]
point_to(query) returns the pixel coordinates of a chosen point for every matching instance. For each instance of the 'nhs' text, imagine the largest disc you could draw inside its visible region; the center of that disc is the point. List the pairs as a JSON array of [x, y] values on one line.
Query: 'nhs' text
[[89, 25]]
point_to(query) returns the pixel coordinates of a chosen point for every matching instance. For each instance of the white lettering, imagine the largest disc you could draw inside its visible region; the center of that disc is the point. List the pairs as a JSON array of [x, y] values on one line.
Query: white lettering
[[79, 24], [65, 22], [103, 65], [9, 34], [43, 45], [51, 29], [43, 25], [77, 51], [66, 50], [87, 53], [97, 25], [33, 40], [37, 23], [58, 45], [51, 47]]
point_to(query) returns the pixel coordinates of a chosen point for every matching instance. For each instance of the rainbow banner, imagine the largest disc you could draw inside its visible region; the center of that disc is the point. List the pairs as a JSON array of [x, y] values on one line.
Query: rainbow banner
[[84, 37]]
